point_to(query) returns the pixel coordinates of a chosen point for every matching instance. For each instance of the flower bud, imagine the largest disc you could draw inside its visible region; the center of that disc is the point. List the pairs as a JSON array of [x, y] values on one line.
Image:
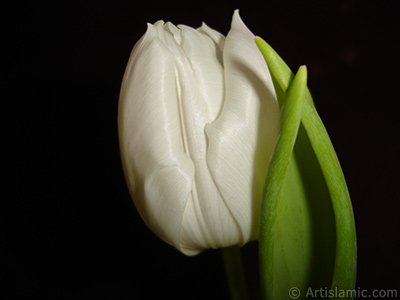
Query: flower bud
[[198, 121]]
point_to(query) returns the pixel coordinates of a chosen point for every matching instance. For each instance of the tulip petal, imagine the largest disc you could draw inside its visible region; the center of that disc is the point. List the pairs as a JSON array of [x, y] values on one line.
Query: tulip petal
[[158, 172], [207, 222], [241, 140], [217, 37], [207, 69]]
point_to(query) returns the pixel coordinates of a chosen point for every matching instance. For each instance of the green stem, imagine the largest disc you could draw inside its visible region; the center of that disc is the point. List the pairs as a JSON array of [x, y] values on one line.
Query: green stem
[[234, 273]]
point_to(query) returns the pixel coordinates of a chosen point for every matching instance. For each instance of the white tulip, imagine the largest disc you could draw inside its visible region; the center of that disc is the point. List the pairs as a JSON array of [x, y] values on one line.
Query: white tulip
[[198, 121]]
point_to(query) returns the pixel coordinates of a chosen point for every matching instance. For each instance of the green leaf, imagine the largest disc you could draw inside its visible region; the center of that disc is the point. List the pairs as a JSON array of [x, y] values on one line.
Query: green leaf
[[307, 234]]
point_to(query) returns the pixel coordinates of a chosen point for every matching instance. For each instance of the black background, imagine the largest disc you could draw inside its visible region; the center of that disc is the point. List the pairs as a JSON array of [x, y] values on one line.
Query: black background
[[70, 229]]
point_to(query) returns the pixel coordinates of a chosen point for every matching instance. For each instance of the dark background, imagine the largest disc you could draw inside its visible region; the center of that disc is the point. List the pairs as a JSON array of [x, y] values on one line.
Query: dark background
[[70, 229]]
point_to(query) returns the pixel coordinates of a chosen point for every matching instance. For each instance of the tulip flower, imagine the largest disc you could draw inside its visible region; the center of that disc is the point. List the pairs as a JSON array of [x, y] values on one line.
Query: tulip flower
[[217, 151], [198, 121]]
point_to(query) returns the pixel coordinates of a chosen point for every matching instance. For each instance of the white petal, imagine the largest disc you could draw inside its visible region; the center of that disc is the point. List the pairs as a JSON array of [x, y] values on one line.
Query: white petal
[[207, 223], [158, 172], [241, 140], [217, 37], [208, 71]]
